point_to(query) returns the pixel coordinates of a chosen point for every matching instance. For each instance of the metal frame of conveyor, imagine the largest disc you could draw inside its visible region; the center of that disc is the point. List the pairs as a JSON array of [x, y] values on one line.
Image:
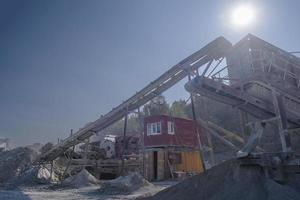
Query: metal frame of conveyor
[[214, 51], [272, 76]]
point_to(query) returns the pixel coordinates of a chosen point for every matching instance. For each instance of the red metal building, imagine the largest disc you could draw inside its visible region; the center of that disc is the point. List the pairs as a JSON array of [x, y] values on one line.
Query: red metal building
[[163, 130]]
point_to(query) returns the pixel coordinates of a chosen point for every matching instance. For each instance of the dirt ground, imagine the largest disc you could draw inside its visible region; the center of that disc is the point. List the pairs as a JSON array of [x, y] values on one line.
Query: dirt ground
[[86, 193]]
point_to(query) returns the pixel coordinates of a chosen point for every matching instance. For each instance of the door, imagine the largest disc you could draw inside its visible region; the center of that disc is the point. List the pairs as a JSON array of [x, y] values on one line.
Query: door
[[155, 165]]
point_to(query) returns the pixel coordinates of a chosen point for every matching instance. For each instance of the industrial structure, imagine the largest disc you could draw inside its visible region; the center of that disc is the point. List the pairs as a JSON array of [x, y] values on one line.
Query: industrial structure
[[258, 79], [186, 68], [262, 81], [171, 147]]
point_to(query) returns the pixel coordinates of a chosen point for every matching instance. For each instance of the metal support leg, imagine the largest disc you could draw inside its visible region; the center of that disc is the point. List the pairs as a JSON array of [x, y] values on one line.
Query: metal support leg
[[69, 162], [207, 133], [142, 140], [280, 111], [124, 141], [256, 133], [86, 148], [51, 170], [211, 151], [243, 122], [197, 129]]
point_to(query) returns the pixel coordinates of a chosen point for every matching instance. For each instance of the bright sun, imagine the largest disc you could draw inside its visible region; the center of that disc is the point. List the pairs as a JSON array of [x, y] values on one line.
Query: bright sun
[[243, 15]]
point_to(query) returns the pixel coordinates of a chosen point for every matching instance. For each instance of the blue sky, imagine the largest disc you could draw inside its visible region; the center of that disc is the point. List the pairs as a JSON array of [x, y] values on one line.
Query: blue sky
[[64, 63]]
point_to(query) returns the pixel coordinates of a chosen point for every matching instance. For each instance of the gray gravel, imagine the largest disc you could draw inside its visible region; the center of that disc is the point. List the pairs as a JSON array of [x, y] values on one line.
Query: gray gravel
[[229, 181]]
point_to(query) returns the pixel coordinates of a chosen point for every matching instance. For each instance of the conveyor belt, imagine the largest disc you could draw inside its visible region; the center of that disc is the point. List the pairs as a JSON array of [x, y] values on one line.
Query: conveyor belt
[[212, 51], [237, 98]]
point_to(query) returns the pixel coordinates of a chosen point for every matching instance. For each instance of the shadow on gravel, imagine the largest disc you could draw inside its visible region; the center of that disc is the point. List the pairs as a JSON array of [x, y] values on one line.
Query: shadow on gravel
[[15, 194]]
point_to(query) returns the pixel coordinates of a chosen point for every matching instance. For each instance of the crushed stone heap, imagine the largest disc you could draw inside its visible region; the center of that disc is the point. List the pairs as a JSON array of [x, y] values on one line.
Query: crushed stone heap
[[229, 181], [33, 176], [124, 184], [82, 179], [14, 163]]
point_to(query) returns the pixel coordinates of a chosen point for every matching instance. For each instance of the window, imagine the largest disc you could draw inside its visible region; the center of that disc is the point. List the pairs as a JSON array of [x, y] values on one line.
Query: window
[[154, 128], [171, 128]]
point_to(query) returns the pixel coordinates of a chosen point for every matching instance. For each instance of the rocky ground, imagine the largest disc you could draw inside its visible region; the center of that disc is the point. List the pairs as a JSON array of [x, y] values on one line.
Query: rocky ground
[[85, 193], [20, 180], [230, 181]]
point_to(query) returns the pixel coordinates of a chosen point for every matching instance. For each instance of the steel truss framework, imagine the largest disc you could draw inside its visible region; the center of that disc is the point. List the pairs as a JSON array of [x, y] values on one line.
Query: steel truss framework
[[267, 91], [215, 50], [271, 70], [264, 82]]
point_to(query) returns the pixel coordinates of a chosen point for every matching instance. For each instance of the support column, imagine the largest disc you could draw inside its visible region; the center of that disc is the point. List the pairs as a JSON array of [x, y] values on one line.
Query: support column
[[204, 116], [124, 142], [211, 151], [243, 121], [196, 128], [86, 148], [51, 170], [280, 111], [142, 140], [69, 162]]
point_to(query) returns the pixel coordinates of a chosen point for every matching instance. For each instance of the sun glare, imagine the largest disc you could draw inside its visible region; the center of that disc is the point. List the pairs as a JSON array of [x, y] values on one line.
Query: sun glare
[[243, 15]]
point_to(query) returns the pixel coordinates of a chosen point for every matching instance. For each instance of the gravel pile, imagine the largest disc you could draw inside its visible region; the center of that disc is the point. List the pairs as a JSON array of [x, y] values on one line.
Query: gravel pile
[[229, 181], [15, 163], [82, 179], [124, 184], [32, 177]]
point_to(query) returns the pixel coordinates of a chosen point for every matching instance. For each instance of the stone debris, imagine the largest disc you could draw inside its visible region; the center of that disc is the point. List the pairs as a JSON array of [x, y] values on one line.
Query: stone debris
[[81, 179], [15, 163], [231, 181], [33, 176], [124, 184]]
